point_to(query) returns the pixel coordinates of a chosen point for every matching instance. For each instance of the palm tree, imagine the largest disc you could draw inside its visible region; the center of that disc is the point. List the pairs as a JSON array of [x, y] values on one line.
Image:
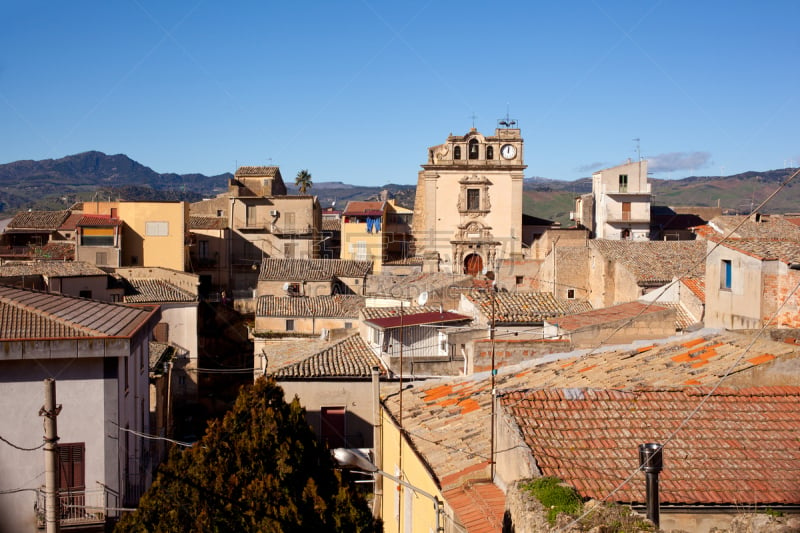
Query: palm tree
[[303, 181]]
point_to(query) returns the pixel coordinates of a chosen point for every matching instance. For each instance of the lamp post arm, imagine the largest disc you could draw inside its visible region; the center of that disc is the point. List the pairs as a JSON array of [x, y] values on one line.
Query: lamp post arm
[[436, 503]]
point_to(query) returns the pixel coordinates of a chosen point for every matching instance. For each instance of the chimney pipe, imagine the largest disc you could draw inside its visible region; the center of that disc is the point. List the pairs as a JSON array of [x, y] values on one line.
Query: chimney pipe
[[651, 462]]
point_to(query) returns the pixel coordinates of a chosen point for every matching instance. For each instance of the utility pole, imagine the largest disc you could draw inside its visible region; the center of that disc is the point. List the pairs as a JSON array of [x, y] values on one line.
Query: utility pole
[[50, 411]]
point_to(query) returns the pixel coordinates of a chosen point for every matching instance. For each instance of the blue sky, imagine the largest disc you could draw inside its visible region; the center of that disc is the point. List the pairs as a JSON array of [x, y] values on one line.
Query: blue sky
[[356, 91]]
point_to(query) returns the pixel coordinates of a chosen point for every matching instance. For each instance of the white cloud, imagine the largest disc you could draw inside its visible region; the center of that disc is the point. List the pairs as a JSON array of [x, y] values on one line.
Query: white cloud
[[678, 161]]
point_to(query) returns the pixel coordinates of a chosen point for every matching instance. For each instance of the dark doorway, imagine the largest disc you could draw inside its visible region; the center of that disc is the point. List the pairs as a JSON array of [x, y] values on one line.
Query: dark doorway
[[473, 264]]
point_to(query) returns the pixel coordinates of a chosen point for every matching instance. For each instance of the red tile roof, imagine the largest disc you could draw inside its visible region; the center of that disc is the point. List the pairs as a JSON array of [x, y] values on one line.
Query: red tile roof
[[349, 358], [478, 506], [697, 286], [26, 314], [98, 220], [356, 208], [41, 220], [604, 315], [411, 318], [742, 447]]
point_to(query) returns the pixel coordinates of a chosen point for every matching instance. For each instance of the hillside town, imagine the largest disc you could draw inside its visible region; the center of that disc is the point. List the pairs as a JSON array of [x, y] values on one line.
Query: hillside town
[[463, 346]]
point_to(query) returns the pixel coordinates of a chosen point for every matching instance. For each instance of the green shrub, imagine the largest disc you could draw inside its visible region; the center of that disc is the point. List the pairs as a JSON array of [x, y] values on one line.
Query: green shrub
[[555, 496]]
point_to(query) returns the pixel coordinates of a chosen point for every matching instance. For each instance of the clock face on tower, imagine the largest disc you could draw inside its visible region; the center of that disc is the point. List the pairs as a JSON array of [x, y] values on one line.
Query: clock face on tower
[[508, 151]]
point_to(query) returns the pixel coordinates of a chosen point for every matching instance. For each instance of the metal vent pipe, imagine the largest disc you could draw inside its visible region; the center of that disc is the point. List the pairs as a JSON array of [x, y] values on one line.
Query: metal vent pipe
[[651, 462]]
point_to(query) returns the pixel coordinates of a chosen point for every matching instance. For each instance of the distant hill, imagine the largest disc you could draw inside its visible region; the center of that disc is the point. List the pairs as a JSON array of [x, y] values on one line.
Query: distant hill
[[58, 183], [739, 193]]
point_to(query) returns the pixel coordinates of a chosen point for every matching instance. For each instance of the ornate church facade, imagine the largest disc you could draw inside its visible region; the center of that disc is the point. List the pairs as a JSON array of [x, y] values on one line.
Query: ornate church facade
[[468, 207]]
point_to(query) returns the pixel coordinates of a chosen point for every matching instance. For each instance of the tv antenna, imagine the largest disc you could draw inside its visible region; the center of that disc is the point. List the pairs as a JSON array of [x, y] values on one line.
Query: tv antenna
[[507, 122]]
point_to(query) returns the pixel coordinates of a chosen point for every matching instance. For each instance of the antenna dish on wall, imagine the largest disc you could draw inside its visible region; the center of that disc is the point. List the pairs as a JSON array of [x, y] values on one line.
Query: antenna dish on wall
[[422, 299]]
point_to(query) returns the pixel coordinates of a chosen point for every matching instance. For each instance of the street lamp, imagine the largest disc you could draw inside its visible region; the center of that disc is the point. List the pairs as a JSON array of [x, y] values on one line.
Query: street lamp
[[354, 458]]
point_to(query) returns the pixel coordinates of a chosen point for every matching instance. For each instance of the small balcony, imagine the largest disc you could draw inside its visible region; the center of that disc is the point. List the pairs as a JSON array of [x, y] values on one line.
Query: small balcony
[[78, 509], [292, 229]]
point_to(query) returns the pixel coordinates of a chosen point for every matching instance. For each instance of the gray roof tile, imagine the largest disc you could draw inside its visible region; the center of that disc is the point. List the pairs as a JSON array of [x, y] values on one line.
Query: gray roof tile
[[350, 357], [655, 262], [336, 306], [312, 269]]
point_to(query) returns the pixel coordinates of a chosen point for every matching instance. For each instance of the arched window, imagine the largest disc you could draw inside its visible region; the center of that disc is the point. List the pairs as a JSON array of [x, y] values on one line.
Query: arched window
[[490, 152], [457, 152], [473, 149]]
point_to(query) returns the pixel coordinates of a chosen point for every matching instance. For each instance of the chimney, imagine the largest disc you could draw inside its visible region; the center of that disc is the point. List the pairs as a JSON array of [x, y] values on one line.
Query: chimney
[[650, 461]]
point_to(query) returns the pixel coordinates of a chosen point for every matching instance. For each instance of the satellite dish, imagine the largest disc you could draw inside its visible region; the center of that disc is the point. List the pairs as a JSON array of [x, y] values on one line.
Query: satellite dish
[[333, 204], [286, 286], [422, 299]]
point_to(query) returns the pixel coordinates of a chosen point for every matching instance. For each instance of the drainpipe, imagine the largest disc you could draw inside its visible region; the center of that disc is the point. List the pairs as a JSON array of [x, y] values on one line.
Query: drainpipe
[[650, 461], [377, 504]]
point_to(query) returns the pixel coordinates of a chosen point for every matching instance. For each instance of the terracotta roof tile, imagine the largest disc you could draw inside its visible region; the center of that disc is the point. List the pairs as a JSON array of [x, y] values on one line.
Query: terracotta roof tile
[[44, 220], [767, 250], [98, 220], [451, 434], [331, 224], [741, 448], [257, 171], [524, 307], [70, 222], [697, 286], [363, 208], [26, 314], [350, 357], [147, 290], [336, 306], [479, 506], [207, 222], [50, 269], [312, 269], [768, 227], [655, 262]]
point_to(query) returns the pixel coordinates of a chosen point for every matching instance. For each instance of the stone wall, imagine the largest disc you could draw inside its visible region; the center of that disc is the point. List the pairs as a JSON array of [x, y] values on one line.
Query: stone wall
[[512, 352]]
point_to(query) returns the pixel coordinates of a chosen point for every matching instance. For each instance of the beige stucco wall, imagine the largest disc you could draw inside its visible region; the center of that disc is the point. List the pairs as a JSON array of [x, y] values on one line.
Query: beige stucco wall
[[354, 396], [309, 325], [296, 221], [97, 285], [608, 200], [740, 306]]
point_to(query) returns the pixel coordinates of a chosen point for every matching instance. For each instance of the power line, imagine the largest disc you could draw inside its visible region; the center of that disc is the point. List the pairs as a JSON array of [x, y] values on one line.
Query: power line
[[21, 447]]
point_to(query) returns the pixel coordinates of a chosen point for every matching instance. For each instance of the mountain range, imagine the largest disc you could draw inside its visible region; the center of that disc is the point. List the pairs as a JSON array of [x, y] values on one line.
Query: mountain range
[[58, 183]]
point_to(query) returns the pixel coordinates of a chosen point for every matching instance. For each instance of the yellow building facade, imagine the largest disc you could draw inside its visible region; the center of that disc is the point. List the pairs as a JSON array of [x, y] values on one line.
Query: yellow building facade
[[154, 233]]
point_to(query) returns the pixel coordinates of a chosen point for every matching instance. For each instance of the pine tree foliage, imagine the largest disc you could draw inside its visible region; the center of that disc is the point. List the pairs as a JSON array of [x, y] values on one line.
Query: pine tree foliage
[[260, 469]]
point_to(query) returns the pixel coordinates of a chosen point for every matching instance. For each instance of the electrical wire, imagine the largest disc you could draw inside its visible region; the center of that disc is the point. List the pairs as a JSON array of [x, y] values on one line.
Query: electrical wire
[[151, 437], [21, 447]]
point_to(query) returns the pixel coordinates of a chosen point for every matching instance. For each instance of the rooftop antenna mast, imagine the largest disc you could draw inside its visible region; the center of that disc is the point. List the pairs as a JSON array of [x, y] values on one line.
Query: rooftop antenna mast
[[639, 156], [507, 122], [473, 117]]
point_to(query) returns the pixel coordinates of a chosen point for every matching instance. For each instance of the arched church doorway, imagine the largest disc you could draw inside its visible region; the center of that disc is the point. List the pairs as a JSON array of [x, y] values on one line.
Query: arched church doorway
[[473, 264]]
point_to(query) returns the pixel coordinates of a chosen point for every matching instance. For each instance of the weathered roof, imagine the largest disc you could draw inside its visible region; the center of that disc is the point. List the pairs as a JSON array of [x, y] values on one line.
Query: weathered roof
[[697, 286], [64, 251], [655, 262], [257, 171], [411, 318], [754, 227], [524, 307], [147, 290], [767, 250], [207, 222], [43, 220], [331, 224], [336, 306], [159, 352], [362, 208], [312, 269], [604, 315], [479, 506], [448, 419], [348, 358], [412, 285], [371, 313], [26, 314], [50, 269], [70, 222], [99, 220], [742, 447]]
